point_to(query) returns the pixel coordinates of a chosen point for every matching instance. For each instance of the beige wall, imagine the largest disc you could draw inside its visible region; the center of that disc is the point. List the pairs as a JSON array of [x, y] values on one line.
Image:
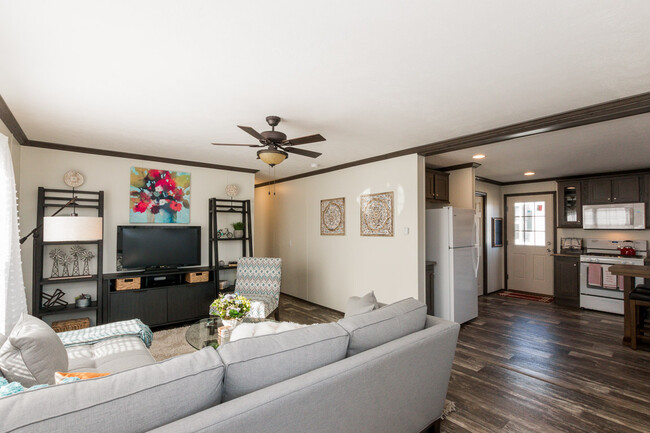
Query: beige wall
[[462, 187], [44, 167], [329, 269], [493, 209]]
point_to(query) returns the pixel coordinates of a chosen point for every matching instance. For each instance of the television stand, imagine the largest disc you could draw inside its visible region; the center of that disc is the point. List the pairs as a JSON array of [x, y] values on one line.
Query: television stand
[[164, 297]]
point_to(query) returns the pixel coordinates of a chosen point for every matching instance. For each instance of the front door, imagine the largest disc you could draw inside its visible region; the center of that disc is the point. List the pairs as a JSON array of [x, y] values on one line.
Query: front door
[[478, 210], [530, 241]]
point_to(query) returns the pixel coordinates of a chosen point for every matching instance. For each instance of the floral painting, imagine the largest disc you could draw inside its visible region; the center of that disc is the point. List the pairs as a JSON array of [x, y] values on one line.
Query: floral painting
[[159, 196]]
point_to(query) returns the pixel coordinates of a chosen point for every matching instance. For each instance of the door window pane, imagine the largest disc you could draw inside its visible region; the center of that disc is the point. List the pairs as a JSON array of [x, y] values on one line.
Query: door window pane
[[530, 223]]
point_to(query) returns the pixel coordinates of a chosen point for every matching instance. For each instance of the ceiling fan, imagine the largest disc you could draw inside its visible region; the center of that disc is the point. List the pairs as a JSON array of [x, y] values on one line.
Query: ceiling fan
[[276, 143]]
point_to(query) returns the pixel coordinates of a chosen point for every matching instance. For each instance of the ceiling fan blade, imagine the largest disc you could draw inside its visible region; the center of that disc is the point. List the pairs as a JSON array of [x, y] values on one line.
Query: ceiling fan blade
[[302, 152], [252, 132], [233, 144], [304, 140]]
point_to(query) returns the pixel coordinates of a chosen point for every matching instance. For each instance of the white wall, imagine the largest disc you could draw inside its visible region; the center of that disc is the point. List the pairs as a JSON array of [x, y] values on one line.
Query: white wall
[[328, 269], [14, 148], [462, 187], [44, 167], [493, 209]]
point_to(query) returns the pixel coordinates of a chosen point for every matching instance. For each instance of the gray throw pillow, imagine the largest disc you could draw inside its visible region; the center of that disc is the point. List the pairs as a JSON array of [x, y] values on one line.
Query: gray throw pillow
[[32, 353], [359, 305]]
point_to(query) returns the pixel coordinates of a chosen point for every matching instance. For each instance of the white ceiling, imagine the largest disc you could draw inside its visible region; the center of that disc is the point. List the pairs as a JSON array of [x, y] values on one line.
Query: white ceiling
[[622, 144], [167, 77]]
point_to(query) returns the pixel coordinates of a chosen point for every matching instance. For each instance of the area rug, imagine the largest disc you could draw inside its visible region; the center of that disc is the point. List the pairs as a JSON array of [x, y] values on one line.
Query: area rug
[[171, 342], [527, 297]]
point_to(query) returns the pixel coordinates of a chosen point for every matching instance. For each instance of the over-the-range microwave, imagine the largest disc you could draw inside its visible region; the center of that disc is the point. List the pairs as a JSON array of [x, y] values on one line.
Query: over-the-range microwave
[[623, 216]]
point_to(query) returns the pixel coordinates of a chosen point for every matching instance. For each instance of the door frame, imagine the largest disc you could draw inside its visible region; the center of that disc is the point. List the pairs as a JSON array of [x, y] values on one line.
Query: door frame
[[484, 238], [505, 227]]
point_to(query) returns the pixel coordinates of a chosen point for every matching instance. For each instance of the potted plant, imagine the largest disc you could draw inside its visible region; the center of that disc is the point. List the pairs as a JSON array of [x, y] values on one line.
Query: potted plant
[[231, 308], [82, 301], [239, 229]]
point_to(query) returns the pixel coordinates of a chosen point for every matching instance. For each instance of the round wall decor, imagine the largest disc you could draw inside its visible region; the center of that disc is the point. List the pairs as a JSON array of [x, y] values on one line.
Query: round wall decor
[[73, 178], [232, 190]]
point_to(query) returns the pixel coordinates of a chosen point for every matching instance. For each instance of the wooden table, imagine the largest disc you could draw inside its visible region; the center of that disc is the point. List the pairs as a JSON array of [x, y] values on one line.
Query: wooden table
[[630, 272]]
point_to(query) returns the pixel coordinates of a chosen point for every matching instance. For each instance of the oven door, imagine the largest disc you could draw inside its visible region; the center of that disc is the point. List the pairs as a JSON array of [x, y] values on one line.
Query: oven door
[[597, 281]]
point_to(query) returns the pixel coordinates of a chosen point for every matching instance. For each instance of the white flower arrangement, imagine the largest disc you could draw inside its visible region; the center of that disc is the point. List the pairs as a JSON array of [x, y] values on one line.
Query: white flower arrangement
[[230, 306]]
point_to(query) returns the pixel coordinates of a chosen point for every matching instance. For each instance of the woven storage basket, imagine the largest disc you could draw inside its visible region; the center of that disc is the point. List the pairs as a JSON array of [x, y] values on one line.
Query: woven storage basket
[[127, 283], [197, 277], [71, 325]]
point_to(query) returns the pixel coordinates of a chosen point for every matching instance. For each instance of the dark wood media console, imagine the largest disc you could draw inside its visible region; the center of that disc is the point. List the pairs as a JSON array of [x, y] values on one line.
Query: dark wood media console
[[163, 298]]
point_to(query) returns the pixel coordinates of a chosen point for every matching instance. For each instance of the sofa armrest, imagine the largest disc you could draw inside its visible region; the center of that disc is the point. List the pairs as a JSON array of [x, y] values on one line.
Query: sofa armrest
[[398, 386]]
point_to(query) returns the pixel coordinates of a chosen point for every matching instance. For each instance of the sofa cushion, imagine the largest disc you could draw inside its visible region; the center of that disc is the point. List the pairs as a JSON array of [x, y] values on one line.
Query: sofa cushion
[[139, 399], [32, 353], [257, 362], [361, 304], [383, 325], [109, 356]]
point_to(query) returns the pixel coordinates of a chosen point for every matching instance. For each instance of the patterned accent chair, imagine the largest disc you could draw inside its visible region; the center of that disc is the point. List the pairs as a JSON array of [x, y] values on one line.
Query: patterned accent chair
[[258, 279]]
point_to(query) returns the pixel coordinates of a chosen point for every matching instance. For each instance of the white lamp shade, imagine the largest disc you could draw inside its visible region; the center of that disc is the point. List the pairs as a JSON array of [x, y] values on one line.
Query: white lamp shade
[[72, 228]]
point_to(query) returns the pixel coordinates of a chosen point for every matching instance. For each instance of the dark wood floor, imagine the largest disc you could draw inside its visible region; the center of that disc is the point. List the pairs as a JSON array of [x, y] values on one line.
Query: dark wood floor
[[525, 366]]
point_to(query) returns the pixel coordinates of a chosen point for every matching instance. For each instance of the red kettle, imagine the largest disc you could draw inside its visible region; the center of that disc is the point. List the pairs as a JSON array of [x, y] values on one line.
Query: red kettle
[[627, 249]]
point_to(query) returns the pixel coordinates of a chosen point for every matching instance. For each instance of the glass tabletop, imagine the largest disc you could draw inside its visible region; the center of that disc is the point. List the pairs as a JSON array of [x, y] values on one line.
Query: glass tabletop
[[205, 332]]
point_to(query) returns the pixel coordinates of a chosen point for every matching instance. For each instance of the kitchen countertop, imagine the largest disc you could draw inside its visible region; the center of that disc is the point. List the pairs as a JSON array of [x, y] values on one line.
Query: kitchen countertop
[[576, 254]]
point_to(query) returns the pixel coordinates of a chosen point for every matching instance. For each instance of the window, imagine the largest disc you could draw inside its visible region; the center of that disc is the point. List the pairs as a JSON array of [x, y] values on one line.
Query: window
[[530, 223]]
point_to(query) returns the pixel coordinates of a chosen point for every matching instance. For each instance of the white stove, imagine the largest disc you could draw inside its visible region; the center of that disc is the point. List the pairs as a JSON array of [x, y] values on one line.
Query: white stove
[[599, 289]]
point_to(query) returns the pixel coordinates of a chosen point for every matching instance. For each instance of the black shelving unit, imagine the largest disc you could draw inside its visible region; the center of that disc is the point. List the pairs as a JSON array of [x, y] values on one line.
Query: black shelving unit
[[217, 206], [53, 199]]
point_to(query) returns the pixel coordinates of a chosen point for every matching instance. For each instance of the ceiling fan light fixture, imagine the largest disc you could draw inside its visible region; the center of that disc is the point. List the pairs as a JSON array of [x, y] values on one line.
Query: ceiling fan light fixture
[[272, 156]]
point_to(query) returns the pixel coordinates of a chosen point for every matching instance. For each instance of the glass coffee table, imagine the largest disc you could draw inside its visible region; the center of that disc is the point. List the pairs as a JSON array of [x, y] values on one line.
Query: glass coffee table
[[204, 332]]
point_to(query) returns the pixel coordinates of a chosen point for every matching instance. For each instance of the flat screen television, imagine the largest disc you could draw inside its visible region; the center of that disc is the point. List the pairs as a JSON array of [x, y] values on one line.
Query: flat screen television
[[158, 247]]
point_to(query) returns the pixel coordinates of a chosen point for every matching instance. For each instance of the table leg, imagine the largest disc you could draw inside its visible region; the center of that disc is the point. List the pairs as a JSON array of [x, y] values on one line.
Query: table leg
[[627, 317]]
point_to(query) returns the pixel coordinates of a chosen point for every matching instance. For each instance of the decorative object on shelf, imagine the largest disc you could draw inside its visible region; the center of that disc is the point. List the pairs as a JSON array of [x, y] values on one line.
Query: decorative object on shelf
[[66, 260], [377, 213], [159, 196], [127, 283], [232, 190], [82, 301], [332, 217], [73, 179], [571, 245], [56, 254], [222, 263], [75, 252], [54, 300], [71, 325], [231, 308], [239, 229], [197, 277], [225, 234], [86, 256], [224, 284], [497, 232]]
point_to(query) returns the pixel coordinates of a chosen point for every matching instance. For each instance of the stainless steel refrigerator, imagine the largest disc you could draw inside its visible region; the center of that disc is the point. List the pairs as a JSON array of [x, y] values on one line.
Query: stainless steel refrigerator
[[453, 243]]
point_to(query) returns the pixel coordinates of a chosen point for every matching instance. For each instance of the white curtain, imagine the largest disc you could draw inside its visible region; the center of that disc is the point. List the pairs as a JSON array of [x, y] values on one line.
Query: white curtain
[[12, 288]]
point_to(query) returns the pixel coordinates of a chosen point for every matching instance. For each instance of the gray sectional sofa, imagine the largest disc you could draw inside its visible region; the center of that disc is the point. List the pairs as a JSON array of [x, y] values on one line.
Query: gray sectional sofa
[[382, 371]]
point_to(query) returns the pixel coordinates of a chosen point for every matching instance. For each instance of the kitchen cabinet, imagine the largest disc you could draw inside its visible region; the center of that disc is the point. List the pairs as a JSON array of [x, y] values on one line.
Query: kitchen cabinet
[[623, 189], [569, 204], [567, 280], [437, 186]]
